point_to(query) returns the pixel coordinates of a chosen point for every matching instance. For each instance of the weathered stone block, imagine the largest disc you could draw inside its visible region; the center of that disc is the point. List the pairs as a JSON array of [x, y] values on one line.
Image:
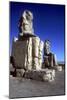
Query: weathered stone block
[[35, 44], [20, 72], [50, 75], [22, 53], [59, 68], [41, 75], [19, 53]]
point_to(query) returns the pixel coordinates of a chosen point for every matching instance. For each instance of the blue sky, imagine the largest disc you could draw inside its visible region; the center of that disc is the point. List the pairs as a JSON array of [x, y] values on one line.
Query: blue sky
[[49, 23]]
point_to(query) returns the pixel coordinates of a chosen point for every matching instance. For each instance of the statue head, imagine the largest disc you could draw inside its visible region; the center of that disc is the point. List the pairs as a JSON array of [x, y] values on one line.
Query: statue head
[[27, 15], [26, 23]]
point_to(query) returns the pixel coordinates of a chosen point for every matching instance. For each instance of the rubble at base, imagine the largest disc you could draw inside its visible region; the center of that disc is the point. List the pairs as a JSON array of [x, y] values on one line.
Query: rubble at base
[[41, 75], [59, 68]]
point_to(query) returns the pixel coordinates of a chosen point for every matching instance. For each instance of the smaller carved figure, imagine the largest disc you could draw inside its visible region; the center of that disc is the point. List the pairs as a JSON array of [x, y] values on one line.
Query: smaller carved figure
[[49, 58]]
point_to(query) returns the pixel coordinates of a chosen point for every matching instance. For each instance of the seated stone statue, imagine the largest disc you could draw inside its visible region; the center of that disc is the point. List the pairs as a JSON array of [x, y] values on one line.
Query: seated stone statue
[[26, 23], [49, 58]]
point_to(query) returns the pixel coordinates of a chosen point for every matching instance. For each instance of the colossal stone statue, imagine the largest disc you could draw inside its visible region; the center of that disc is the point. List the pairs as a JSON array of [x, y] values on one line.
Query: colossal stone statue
[[26, 23], [47, 47], [49, 58]]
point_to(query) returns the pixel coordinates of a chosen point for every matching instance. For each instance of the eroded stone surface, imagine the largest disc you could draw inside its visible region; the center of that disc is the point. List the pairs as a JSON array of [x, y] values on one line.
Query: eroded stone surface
[[26, 23], [41, 75]]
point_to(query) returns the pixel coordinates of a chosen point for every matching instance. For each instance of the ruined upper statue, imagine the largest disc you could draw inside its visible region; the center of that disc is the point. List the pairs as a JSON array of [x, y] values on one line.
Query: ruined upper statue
[[26, 23]]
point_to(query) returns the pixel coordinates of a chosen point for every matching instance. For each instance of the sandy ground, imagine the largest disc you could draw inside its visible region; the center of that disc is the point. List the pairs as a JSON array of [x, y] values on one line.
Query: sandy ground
[[32, 88]]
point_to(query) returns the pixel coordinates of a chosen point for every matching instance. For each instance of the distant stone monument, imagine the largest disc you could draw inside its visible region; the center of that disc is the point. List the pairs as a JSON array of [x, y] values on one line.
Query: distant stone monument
[[26, 23], [50, 60]]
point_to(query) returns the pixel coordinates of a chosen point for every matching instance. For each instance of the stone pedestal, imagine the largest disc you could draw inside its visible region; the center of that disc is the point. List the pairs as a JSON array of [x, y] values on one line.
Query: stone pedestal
[[22, 53], [27, 52], [41, 75]]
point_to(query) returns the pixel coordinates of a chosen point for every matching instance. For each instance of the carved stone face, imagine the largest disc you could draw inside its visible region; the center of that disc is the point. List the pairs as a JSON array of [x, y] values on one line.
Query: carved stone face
[[26, 23], [27, 15], [47, 47]]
